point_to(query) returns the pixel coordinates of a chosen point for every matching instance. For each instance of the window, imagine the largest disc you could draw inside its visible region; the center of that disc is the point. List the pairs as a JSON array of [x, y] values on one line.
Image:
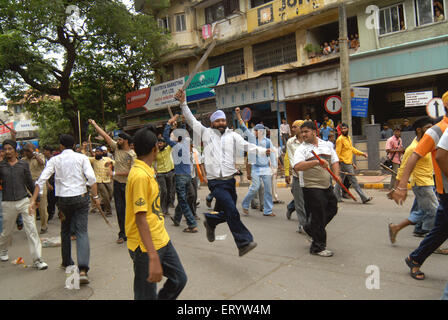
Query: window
[[18, 108], [180, 22], [183, 69], [233, 62], [168, 73], [429, 11], [275, 52], [392, 19], [256, 3], [165, 23], [221, 10]]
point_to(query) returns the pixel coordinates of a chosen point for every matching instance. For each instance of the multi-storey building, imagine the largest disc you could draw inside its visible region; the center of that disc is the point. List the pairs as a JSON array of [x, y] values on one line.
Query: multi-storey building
[[281, 58]]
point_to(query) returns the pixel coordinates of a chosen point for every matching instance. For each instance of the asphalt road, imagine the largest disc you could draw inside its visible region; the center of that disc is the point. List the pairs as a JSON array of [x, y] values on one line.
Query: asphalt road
[[279, 268]]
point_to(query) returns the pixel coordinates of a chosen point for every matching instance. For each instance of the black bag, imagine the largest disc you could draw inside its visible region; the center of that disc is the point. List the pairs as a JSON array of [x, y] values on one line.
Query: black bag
[[388, 162]]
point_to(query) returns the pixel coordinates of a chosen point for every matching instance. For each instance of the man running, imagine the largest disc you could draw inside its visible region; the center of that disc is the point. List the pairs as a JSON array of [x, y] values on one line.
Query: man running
[[422, 182], [320, 201], [220, 147], [427, 144], [73, 173]]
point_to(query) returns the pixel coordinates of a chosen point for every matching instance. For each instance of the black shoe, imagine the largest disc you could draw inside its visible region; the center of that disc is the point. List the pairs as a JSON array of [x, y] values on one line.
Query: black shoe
[[367, 200], [50, 216], [420, 234], [209, 203], [246, 248], [210, 231], [289, 213]]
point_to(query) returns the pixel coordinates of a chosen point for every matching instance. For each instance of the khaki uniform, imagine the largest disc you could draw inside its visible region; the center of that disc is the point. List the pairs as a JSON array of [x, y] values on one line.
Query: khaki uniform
[[36, 169]]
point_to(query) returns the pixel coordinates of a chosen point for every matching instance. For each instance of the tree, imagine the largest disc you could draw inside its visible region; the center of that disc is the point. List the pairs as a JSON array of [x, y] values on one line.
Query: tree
[[103, 47]]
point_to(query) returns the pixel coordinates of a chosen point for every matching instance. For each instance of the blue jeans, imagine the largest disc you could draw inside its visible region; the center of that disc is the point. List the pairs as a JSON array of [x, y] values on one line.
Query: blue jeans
[[120, 207], [436, 236], [253, 189], [75, 212], [172, 269], [425, 207], [445, 293], [224, 192], [182, 184]]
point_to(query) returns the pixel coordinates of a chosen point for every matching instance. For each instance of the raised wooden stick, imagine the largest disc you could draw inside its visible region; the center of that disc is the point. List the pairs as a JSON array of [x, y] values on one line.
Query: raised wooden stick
[[334, 176]]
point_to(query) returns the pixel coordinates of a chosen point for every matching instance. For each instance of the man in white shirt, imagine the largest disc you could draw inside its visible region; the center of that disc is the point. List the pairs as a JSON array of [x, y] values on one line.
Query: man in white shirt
[[73, 173], [320, 202], [220, 149], [285, 131]]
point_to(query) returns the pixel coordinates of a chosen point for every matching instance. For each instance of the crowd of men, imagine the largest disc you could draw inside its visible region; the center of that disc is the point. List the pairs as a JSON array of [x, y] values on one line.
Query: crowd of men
[[145, 173]]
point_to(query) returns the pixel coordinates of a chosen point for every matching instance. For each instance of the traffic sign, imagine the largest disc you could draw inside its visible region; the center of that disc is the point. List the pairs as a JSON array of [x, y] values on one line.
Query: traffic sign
[[359, 101], [247, 114], [435, 108], [333, 104]]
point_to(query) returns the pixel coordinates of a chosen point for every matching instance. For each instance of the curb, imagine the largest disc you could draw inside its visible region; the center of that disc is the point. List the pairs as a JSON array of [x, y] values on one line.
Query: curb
[[362, 185]]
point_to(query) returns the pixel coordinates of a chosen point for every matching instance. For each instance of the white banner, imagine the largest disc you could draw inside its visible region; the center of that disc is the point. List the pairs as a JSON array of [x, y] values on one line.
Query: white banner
[[25, 125], [417, 99]]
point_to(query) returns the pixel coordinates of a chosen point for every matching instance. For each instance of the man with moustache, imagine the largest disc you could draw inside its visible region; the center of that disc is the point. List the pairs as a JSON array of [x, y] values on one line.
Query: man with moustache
[[220, 148], [345, 151], [124, 158]]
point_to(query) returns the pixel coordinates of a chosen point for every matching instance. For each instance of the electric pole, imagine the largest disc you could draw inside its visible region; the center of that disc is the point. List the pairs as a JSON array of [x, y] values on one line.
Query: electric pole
[[346, 114]]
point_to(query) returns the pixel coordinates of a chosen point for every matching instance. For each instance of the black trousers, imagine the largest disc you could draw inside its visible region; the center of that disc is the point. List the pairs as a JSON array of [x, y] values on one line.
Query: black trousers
[[321, 205], [192, 195], [51, 202]]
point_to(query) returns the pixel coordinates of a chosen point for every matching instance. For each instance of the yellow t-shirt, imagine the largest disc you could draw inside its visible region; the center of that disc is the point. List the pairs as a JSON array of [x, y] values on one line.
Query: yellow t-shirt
[[142, 194], [345, 149], [422, 175]]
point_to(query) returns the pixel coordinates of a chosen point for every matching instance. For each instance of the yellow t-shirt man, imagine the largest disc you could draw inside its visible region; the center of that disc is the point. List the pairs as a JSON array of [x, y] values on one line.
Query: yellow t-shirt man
[[422, 175], [142, 195]]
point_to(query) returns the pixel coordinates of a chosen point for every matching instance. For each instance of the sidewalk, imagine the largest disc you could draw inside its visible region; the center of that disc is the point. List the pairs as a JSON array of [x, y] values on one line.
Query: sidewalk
[[365, 181]]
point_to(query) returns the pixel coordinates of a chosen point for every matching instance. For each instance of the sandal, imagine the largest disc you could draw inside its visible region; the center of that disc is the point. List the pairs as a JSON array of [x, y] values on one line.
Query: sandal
[[411, 264], [191, 230], [392, 235]]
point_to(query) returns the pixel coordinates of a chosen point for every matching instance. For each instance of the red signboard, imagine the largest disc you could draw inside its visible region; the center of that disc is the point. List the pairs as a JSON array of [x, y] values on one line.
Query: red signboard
[[4, 130], [137, 99]]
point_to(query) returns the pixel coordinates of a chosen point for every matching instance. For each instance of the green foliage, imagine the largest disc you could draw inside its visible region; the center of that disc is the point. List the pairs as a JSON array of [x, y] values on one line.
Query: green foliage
[[309, 48], [49, 117], [108, 52]]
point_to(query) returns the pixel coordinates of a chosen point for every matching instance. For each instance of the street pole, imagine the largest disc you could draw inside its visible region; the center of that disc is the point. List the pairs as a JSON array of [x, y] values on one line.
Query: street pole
[[346, 114]]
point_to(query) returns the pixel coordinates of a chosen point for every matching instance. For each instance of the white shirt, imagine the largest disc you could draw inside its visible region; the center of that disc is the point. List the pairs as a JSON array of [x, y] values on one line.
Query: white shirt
[[316, 177], [443, 142], [324, 148], [284, 128], [73, 172], [220, 150]]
